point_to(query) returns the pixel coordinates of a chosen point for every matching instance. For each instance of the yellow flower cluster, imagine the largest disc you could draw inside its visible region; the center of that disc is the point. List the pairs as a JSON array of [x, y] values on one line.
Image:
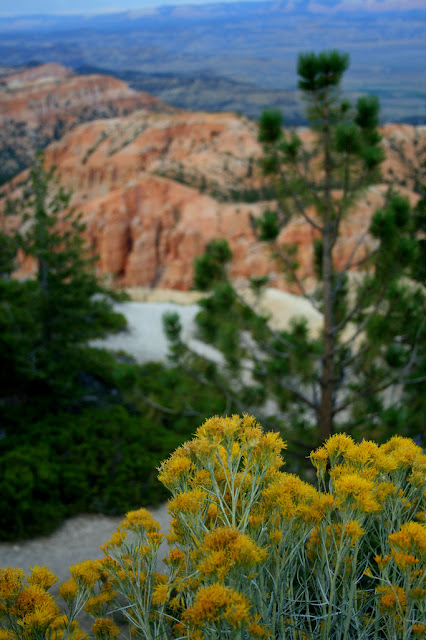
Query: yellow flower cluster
[[358, 491], [42, 576], [188, 502], [397, 453], [95, 605], [217, 603], [393, 599], [259, 553], [411, 537], [105, 629], [26, 609], [225, 548], [140, 520], [11, 583], [222, 446], [86, 573], [68, 590], [419, 630], [117, 538]]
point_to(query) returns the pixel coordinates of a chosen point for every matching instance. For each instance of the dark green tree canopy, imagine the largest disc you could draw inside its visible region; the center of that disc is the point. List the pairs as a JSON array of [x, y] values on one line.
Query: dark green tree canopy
[[361, 372], [45, 323]]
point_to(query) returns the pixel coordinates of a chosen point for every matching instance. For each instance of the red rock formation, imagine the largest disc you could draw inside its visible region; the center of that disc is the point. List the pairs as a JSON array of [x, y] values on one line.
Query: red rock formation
[[40, 104], [151, 188], [51, 91]]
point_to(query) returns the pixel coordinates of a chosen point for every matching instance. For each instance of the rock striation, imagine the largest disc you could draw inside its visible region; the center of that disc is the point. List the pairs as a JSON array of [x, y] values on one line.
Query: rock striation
[[42, 103], [154, 188]]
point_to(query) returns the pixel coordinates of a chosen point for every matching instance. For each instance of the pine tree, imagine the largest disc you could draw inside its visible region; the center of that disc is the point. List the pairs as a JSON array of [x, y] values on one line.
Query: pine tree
[[354, 373], [47, 322]]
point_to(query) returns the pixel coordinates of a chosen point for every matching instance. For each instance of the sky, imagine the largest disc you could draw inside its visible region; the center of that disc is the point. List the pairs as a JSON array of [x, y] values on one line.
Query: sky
[[31, 7]]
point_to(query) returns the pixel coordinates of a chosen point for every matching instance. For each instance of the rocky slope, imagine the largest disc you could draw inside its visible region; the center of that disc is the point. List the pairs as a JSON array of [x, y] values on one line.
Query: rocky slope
[[155, 188], [40, 104]]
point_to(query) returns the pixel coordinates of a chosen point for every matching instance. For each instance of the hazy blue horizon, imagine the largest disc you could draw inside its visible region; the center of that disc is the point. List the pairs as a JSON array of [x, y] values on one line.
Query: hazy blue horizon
[[17, 8], [9, 8]]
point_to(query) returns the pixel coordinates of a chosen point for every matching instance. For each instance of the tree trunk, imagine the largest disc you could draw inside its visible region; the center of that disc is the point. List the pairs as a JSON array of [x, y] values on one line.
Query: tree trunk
[[325, 417]]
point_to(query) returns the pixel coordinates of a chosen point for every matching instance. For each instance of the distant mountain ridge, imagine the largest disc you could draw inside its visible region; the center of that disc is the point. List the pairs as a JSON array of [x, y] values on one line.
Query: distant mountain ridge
[[29, 19], [251, 44]]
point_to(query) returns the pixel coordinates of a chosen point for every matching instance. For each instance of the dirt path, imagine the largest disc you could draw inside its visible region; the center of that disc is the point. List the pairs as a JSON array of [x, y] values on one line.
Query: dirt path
[[77, 539]]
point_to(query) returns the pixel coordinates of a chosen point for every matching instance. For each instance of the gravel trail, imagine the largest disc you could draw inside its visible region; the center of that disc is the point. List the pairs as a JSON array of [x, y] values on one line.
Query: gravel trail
[[77, 539]]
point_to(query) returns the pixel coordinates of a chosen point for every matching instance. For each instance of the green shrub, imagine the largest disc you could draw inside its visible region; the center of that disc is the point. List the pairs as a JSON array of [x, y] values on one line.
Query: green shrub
[[96, 461]]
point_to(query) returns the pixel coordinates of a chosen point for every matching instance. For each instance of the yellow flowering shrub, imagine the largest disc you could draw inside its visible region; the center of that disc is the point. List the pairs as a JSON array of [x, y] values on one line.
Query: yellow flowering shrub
[[254, 552], [27, 610]]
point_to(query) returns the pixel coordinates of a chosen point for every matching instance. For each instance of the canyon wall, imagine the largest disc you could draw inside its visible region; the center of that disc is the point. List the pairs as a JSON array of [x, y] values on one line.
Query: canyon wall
[[155, 188], [42, 103]]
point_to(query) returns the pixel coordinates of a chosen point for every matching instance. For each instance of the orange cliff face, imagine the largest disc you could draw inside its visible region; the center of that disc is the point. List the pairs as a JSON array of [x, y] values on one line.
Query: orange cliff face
[[41, 104], [155, 188], [52, 91]]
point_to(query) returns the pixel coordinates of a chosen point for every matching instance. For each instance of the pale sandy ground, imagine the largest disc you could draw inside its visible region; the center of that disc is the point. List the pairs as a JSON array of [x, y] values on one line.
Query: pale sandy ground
[[145, 340], [79, 538]]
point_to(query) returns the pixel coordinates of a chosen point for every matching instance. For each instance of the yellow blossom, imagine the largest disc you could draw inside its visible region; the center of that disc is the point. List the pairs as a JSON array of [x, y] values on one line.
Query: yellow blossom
[[276, 536], [419, 630], [68, 590], [11, 582], [154, 538], [288, 493], [215, 603], [116, 540], [403, 450], [411, 537], [86, 573], [360, 489], [386, 462], [201, 478], [216, 429], [31, 598], [96, 604], [42, 576], [314, 511], [362, 454], [188, 502], [319, 459], [199, 449], [238, 547], [337, 445], [34, 609], [175, 557], [160, 594], [174, 469], [140, 519], [251, 436], [354, 530], [105, 628], [257, 630], [385, 489], [270, 444], [256, 520], [392, 599], [37, 621], [417, 478], [382, 561], [404, 560]]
